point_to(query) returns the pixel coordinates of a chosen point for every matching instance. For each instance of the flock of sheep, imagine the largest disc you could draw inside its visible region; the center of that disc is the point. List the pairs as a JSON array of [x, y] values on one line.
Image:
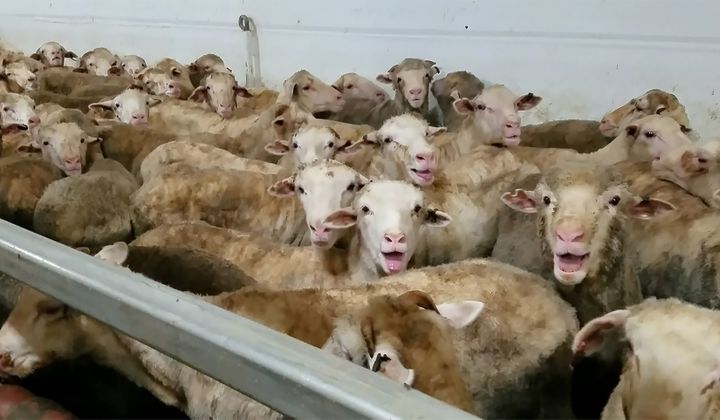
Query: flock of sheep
[[559, 269]]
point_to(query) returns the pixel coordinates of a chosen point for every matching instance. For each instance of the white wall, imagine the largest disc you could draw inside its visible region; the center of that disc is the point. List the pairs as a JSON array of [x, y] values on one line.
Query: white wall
[[583, 57]]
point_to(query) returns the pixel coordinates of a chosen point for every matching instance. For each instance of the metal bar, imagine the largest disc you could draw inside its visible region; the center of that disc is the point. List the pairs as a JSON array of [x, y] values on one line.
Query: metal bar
[[288, 375]]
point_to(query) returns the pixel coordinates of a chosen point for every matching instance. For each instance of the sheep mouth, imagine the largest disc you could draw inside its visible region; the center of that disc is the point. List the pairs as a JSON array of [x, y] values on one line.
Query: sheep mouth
[[513, 140], [14, 128], [424, 176], [570, 263], [394, 261]]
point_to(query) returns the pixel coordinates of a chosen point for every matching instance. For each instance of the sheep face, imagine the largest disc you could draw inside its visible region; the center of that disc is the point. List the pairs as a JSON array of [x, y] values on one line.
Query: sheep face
[[100, 62], [38, 331], [133, 65], [309, 145], [354, 86], [694, 168], [159, 82], [466, 85], [53, 54], [579, 217], [312, 94], [495, 111], [652, 102], [64, 145], [672, 369], [404, 140], [17, 110], [130, 107], [413, 335], [411, 79], [322, 188], [389, 215], [20, 74], [208, 63], [220, 92]]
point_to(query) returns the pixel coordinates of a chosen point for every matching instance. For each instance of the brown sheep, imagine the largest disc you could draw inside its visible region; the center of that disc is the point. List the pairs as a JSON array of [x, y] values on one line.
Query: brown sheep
[[23, 180], [88, 210], [505, 355], [58, 80], [465, 84]]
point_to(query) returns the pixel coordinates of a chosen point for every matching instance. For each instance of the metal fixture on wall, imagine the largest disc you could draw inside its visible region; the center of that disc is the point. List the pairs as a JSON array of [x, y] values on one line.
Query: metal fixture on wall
[[253, 77]]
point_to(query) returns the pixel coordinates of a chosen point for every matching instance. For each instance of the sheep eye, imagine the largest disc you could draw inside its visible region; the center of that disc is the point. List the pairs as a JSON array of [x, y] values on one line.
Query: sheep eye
[[387, 140], [365, 209], [295, 146], [351, 186], [417, 208], [650, 134], [114, 64], [331, 144], [117, 105], [82, 140], [306, 88], [615, 200], [6, 109], [350, 86], [124, 65], [301, 190], [144, 65], [399, 79], [45, 143], [546, 200]]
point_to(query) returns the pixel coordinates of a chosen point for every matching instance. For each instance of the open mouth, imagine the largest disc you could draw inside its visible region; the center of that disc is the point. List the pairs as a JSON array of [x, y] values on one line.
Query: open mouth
[[416, 103], [570, 263], [394, 261], [424, 175]]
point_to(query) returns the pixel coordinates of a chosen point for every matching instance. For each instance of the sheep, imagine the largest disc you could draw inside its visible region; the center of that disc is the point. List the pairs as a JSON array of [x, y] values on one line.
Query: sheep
[[76, 102], [385, 241], [133, 64], [671, 365], [581, 223], [200, 156], [311, 94], [652, 102], [240, 200], [360, 95], [219, 91], [260, 100], [130, 107], [277, 122], [19, 78], [311, 143], [641, 141], [529, 347], [64, 145], [100, 62], [18, 110], [162, 83], [465, 84], [23, 179], [92, 209], [204, 65], [58, 80], [410, 79], [52, 54], [694, 168], [184, 269]]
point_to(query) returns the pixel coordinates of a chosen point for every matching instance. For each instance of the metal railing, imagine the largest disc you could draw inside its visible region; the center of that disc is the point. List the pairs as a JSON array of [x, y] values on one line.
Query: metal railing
[[285, 374]]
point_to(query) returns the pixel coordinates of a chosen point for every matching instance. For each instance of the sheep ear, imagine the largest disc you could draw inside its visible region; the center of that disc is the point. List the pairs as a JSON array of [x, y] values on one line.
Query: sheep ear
[[461, 314], [386, 78], [242, 92], [283, 188], [71, 55], [464, 106], [437, 218], [520, 200], [431, 131], [341, 219], [175, 71], [590, 338], [154, 101], [116, 253], [199, 94], [36, 56], [648, 209], [278, 148], [101, 106], [526, 102]]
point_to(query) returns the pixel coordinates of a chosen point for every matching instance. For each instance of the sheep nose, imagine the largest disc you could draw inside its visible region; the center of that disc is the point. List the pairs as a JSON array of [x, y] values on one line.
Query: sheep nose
[[569, 235], [425, 157], [395, 238], [33, 121], [415, 91]]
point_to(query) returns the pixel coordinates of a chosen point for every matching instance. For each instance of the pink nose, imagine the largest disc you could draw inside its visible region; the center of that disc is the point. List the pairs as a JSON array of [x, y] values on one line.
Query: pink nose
[[569, 235], [415, 91], [395, 238], [425, 157], [72, 161], [139, 117], [512, 124], [33, 121]]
